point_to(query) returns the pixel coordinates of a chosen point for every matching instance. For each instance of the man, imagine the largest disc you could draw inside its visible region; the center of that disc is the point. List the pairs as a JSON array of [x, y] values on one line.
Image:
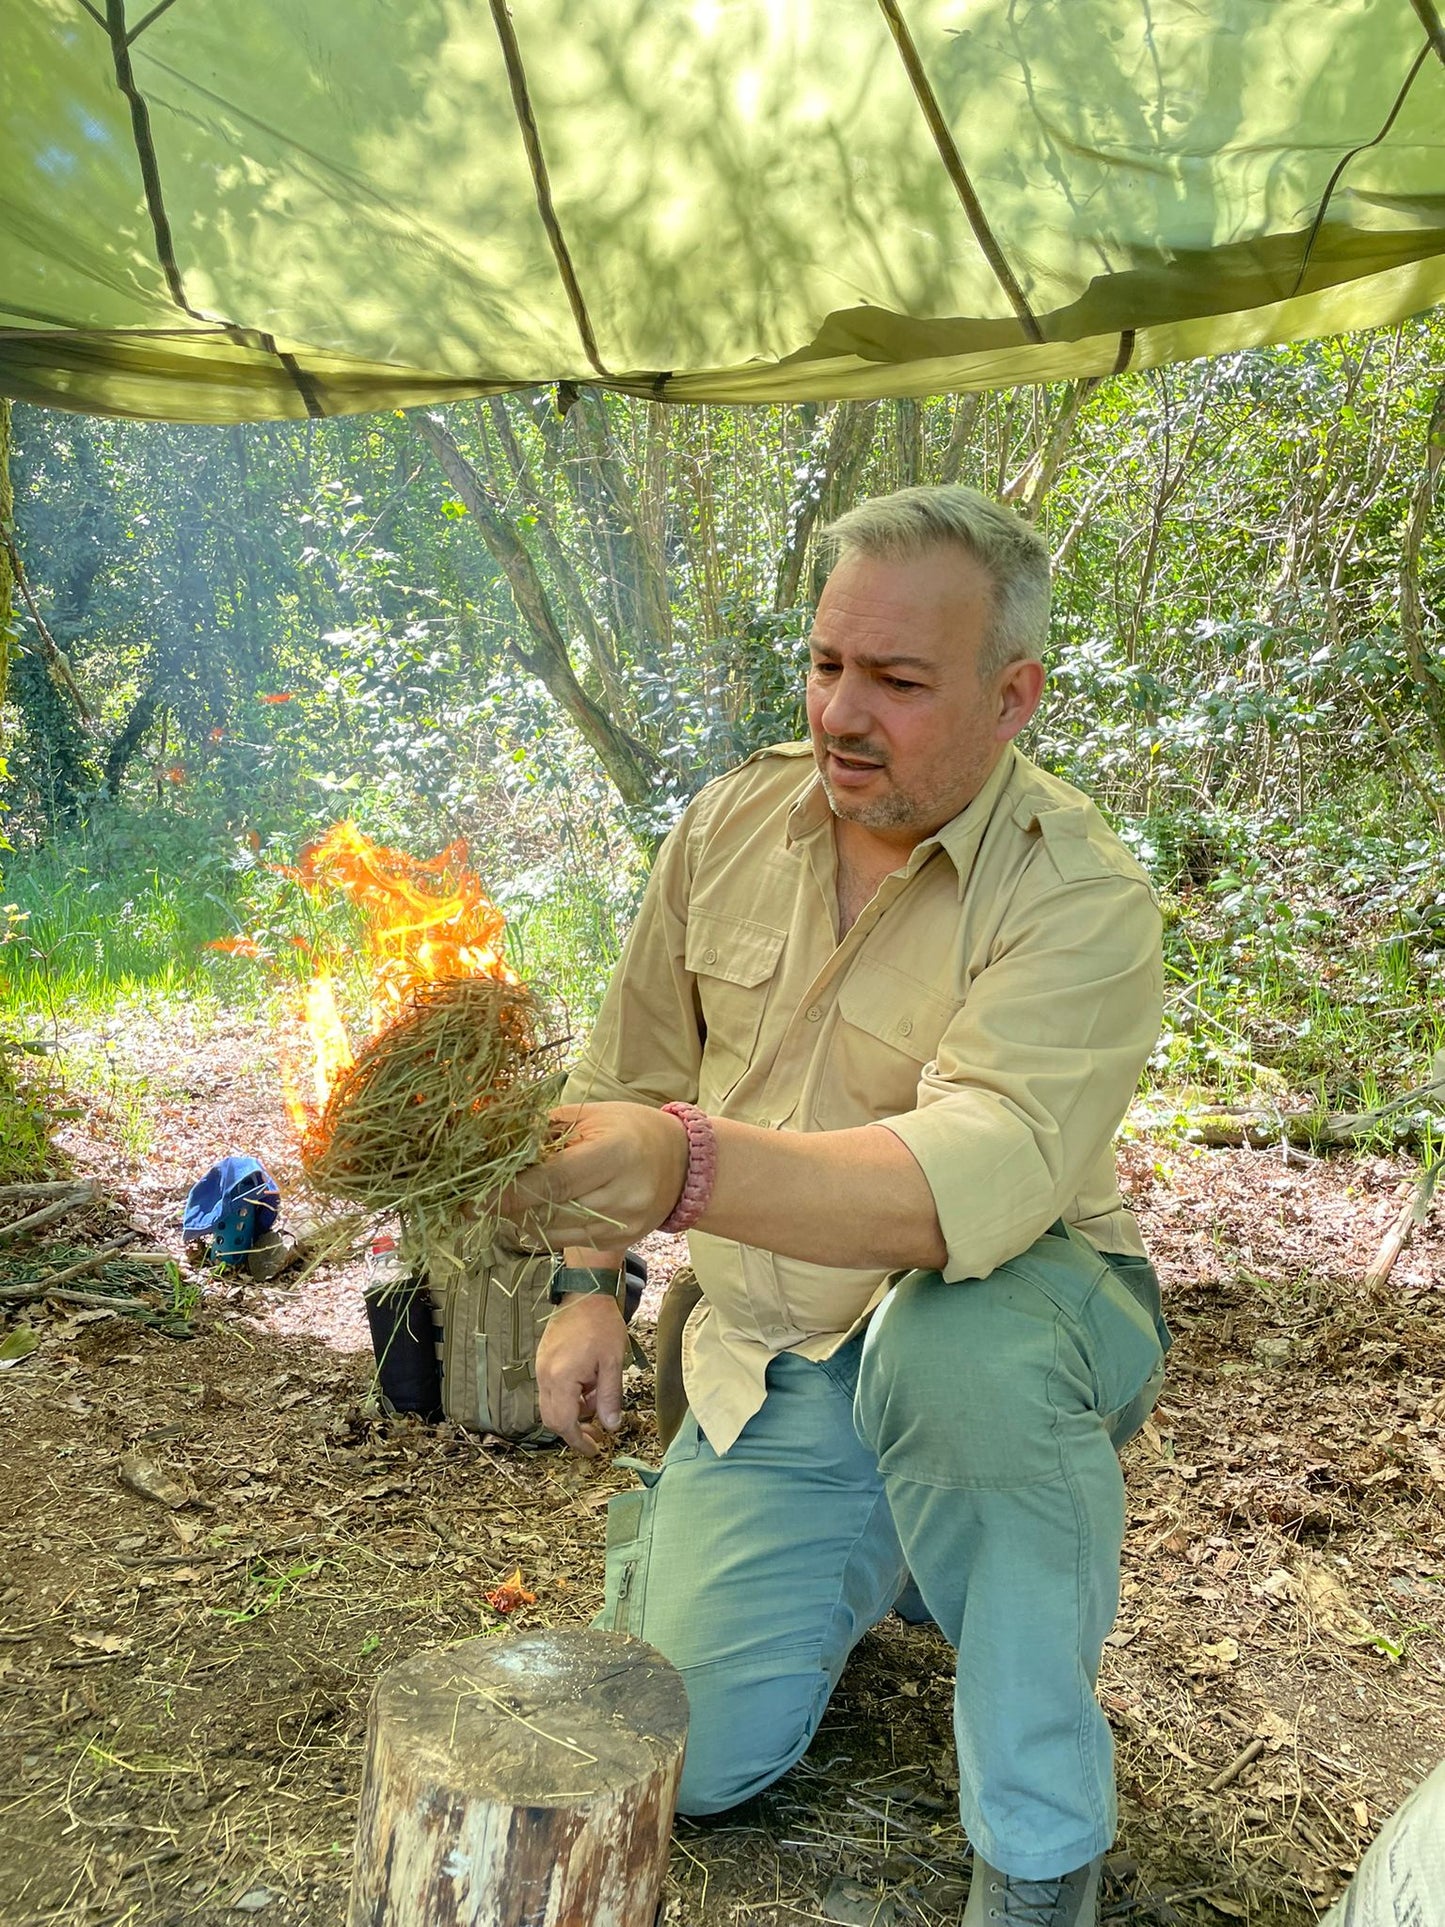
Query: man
[[897, 986]]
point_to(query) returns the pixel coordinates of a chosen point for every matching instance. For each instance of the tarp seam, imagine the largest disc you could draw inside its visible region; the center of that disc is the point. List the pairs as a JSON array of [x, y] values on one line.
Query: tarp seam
[[1430, 20], [140, 120], [957, 173], [155, 13], [140, 124], [1333, 182], [541, 183]]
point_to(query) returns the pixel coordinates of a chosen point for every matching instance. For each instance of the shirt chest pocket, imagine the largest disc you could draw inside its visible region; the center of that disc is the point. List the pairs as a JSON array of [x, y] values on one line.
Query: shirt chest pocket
[[733, 962], [891, 1026]]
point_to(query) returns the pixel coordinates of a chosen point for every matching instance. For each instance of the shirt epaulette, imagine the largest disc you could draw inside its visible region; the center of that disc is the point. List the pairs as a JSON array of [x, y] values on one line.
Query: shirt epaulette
[[777, 749]]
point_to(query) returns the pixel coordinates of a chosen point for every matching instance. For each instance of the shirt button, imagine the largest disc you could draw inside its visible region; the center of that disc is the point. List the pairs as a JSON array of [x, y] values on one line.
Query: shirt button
[[709, 956], [905, 1028], [814, 1012]]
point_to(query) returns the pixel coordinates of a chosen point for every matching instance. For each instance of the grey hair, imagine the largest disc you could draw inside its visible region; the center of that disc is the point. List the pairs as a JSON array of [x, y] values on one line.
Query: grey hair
[[907, 524]]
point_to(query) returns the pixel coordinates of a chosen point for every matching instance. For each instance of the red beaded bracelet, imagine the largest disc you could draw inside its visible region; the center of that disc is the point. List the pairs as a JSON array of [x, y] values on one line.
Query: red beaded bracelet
[[701, 1167]]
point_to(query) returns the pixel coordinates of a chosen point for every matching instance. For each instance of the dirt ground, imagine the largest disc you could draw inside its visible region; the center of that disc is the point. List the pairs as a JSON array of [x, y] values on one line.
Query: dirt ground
[[183, 1691]]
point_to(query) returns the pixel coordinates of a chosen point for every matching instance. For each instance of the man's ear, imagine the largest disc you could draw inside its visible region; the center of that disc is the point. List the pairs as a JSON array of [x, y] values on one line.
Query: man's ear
[[1019, 690]]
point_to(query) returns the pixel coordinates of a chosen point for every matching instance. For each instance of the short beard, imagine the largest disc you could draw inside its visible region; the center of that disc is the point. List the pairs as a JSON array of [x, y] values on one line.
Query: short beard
[[895, 812]]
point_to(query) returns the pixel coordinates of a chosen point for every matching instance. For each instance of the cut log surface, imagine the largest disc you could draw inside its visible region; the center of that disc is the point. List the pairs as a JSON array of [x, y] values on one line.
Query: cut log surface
[[524, 1782]]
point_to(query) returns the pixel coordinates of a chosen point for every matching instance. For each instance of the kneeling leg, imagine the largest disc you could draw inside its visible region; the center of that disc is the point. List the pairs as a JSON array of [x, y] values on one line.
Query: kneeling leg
[[755, 1573]]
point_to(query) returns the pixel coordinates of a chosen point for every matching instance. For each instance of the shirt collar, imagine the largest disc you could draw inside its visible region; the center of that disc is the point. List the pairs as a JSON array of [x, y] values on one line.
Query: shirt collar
[[959, 837]]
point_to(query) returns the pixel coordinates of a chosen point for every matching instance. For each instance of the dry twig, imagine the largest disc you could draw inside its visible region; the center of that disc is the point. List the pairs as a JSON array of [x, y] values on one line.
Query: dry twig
[[82, 1194], [1414, 1212], [38, 1287]]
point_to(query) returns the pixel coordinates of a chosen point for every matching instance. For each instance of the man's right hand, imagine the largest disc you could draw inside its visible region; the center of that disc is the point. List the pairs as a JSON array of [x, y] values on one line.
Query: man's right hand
[[579, 1370]]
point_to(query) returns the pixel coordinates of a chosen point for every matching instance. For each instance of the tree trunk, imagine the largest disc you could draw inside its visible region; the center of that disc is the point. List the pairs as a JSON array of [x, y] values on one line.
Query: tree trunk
[[593, 633], [527, 1782], [629, 763], [908, 436], [7, 578], [121, 753], [849, 447], [965, 420], [1033, 482], [1425, 670]]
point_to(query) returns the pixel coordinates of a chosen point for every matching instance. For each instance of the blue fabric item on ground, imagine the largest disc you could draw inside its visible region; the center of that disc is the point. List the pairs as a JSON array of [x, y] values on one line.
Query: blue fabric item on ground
[[232, 1205]]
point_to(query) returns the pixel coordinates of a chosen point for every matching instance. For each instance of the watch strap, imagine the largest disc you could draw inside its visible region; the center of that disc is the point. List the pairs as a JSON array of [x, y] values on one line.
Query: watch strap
[[581, 1281]]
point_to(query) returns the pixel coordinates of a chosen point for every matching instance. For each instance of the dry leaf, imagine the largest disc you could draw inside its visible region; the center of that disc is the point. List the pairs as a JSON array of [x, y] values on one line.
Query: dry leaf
[[1210, 1660], [1331, 1607], [101, 1642], [152, 1481], [1271, 1726]]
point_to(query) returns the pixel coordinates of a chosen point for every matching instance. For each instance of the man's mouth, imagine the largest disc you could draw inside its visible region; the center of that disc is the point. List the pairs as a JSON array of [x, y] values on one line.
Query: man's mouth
[[853, 758], [845, 770]]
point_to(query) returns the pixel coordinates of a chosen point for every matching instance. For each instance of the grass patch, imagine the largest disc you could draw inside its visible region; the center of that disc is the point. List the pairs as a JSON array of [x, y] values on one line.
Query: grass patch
[[93, 919], [1301, 957]]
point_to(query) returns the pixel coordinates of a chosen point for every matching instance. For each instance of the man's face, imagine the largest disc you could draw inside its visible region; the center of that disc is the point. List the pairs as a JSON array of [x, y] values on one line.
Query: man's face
[[904, 732]]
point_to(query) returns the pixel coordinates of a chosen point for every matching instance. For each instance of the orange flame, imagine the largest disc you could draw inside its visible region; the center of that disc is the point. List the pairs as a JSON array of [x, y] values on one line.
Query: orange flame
[[425, 918], [510, 1594]]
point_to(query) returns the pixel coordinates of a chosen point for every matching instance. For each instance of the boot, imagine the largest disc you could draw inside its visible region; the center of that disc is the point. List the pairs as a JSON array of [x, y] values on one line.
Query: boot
[[1072, 1900], [669, 1399]]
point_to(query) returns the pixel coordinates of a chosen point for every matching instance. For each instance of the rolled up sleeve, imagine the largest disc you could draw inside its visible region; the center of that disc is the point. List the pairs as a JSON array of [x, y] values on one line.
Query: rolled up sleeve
[[1034, 1074]]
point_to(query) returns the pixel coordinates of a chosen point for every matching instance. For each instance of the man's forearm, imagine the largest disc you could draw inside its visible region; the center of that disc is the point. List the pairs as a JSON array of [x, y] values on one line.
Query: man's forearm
[[852, 1198]]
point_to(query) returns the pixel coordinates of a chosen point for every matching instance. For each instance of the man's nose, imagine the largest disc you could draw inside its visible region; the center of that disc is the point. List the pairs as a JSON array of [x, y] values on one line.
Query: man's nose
[[846, 711]]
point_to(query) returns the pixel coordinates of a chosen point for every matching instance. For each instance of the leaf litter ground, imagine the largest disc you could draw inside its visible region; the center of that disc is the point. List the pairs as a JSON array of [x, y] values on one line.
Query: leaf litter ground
[[184, 1678]]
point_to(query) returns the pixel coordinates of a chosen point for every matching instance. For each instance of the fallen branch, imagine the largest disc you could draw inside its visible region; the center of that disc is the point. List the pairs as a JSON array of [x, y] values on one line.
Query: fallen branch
[[48, 1188], [1236, 1766], [91, 1300], [39, 1287], [1414, 1211], [1252, 1126], [81, 1195]]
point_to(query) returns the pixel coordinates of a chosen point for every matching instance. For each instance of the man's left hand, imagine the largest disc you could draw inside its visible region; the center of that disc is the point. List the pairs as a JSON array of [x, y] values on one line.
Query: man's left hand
[[619, 1173]]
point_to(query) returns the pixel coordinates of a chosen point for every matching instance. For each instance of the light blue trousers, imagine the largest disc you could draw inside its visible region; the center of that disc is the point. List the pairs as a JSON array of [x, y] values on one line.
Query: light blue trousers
[[970, 1437]]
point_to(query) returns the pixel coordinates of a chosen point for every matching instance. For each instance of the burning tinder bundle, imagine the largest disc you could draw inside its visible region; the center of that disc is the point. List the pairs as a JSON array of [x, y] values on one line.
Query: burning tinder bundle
[[442, 1108], [449, 1098]]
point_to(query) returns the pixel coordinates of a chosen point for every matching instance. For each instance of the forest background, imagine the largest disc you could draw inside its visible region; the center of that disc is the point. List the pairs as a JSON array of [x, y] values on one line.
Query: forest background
[[541, 622]]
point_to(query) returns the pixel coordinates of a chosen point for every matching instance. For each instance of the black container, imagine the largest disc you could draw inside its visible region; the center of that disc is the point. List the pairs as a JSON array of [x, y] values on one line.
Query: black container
[[402, 1338], [634, 1283]]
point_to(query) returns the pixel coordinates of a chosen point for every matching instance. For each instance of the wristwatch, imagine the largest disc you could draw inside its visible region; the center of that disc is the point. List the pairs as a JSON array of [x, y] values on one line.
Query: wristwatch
[[579, 1281]]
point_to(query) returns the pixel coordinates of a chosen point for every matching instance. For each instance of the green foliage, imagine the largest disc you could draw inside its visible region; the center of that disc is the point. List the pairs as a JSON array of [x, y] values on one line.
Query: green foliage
[[124, 906], [26, 1103], [1296, 960], [281, 625]]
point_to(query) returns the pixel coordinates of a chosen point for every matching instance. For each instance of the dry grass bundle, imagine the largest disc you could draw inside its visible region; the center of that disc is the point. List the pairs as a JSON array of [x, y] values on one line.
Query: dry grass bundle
[[442, 1109]]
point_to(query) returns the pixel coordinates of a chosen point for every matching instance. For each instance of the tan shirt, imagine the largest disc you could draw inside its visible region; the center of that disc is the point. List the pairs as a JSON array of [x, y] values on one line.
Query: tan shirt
[[993, 1005]]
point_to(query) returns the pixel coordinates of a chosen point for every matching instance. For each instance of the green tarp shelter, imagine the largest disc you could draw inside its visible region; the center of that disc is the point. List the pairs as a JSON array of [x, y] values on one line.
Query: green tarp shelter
[[220, 210]]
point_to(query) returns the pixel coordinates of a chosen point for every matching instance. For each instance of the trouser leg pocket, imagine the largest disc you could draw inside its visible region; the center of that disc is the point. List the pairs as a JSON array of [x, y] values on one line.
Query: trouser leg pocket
[[629, 1550]]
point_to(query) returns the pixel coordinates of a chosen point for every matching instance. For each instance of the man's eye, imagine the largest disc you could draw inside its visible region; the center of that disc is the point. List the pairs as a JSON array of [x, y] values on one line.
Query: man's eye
[[825, 668], [901, 682]]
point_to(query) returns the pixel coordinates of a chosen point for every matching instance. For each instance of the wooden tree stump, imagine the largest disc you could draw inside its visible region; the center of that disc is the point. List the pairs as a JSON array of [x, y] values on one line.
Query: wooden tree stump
[[523, 1782]]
